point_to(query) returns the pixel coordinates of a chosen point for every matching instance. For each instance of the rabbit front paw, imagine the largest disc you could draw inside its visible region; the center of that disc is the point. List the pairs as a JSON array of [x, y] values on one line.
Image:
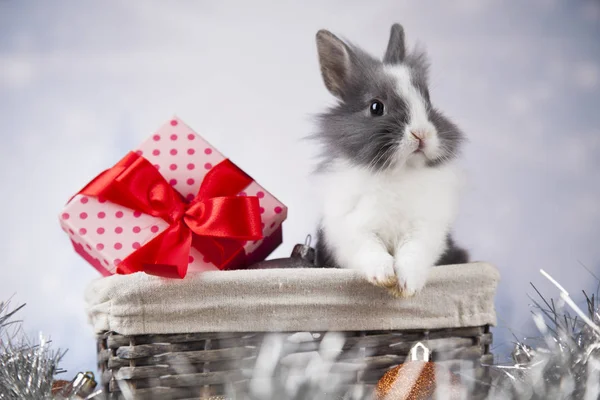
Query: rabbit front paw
[[411, 277], [378, 267]]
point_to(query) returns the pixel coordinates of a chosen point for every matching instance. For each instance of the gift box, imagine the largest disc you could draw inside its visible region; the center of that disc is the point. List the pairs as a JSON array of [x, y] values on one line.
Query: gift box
[[173, 204]]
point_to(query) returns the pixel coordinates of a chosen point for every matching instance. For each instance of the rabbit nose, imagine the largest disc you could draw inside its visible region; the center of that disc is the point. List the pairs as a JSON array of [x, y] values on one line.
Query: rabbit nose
[[419, 136]]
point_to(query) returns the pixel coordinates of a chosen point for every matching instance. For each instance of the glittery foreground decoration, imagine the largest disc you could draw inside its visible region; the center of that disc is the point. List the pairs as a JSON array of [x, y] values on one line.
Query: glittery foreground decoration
[[563, 362], [27, 368], [416, 380]]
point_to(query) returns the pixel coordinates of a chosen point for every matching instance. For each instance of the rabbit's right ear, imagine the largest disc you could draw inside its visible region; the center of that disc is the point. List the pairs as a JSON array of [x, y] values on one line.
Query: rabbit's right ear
[[334, 58], [396, 49]]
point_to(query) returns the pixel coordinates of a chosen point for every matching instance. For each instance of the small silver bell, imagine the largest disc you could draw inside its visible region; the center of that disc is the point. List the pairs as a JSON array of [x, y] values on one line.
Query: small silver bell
[[304, 251]]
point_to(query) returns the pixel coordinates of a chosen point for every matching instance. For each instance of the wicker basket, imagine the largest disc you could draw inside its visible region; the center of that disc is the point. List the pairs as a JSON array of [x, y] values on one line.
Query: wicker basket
[[148, 364], [207, 365]]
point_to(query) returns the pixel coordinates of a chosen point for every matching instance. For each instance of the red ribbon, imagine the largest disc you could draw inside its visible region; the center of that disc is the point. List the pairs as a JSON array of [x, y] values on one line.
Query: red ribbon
[[216, 221]]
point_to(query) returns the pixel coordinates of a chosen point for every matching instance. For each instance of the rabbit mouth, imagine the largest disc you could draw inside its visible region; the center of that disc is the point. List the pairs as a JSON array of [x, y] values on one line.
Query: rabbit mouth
[[420, 154], [419, 149]]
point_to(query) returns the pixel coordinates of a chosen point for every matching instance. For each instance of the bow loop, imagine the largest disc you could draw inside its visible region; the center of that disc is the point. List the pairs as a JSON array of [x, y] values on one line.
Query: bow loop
[[210, 217]]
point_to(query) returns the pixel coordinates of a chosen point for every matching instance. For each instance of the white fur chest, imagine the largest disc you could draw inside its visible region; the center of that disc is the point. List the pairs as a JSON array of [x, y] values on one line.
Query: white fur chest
[[391, 204]]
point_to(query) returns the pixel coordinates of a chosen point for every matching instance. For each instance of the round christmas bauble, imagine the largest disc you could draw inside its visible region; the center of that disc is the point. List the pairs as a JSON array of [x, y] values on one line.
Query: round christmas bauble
[[414, 380], [417, 379]]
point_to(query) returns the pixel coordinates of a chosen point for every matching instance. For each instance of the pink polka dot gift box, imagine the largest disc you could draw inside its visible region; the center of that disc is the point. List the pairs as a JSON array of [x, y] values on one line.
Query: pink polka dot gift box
[[174, 204]]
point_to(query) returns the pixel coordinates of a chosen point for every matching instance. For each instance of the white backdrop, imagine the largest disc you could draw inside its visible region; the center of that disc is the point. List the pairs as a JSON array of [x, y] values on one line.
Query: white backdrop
[[82, 83]]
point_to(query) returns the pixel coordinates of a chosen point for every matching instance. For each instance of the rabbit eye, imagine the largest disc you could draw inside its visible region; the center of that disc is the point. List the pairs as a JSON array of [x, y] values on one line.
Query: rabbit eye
[[376, 108]]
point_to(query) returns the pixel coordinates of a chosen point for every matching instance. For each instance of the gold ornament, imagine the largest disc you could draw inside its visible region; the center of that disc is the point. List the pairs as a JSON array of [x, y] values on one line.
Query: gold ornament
[[80, 387], [414, 380]]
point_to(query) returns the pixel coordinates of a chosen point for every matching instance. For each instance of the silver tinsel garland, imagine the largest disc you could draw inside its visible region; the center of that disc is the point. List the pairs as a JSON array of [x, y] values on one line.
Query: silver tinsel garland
[[564, 361], [27, 369]]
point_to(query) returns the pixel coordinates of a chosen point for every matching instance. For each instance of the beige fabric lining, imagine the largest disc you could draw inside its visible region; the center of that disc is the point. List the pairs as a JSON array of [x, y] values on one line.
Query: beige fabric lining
[[302, 299]]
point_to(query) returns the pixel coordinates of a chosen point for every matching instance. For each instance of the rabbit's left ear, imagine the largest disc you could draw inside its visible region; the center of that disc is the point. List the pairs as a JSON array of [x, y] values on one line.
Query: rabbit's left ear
[[335, 61], [396, 48]]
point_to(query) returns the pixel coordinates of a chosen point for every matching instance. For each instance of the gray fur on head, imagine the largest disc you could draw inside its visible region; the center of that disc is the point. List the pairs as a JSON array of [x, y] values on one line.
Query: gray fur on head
[[349, 131]]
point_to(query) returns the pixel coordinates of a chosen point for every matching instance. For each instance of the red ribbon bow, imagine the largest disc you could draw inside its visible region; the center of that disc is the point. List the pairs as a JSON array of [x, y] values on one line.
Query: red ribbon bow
[[216, 221]]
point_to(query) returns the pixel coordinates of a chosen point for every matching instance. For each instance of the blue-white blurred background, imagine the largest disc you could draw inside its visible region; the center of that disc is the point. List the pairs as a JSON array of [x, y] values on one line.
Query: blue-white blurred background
[[81, 83]]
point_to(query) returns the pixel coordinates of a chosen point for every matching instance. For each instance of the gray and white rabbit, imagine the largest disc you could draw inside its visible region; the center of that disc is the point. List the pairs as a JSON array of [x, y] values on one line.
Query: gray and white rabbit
[[388, 173]]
